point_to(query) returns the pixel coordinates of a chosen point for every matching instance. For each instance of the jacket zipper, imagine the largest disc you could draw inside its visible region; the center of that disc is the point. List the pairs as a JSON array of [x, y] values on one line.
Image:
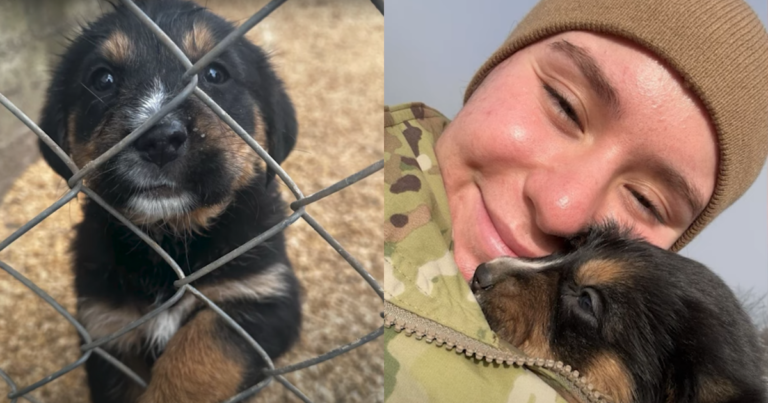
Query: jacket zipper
[[413, 325]]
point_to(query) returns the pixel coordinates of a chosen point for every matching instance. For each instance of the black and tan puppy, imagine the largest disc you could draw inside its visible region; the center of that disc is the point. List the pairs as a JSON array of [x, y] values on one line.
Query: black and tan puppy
[[643, 324], [193, 185]]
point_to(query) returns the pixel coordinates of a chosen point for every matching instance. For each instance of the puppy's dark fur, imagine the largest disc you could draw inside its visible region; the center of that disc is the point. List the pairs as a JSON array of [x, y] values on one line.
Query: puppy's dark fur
[[193, 185], [643, 324]]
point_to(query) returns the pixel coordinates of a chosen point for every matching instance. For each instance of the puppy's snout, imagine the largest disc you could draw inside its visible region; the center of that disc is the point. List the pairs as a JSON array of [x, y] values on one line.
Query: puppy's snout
[[163, 143], [483, 278]]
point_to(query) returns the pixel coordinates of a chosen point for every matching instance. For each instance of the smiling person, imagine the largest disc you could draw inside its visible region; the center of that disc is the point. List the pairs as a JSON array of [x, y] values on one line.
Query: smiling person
[[653, 113]]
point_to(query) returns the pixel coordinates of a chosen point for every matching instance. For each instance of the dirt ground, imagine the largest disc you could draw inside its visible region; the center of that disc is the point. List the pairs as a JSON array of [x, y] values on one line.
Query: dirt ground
[[331, 56]]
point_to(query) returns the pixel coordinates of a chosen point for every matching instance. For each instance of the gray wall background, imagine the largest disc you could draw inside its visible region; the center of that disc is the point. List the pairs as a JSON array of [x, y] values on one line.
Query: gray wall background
[[31, 33], [432, 49]]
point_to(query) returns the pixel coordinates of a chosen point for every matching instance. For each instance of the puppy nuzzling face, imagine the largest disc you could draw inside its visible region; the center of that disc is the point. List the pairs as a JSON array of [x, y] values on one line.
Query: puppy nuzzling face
[[641, 323], [117, 74]]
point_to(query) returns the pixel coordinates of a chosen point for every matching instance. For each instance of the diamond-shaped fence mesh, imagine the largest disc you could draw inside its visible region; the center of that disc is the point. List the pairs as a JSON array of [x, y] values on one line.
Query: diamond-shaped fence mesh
[[183, 283]]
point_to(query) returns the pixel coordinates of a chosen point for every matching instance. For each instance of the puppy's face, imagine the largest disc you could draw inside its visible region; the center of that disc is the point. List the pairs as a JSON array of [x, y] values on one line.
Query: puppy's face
[[117, 74], [620, 311], [557, 308]]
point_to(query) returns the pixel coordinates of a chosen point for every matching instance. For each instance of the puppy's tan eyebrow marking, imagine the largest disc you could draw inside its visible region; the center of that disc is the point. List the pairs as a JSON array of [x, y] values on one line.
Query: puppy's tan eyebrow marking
[[117, 48], [198, 41], [599, 272]]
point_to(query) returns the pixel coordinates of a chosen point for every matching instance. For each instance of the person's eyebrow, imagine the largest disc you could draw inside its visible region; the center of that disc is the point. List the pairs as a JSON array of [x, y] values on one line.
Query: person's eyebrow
[[677, 183], [591, 70]]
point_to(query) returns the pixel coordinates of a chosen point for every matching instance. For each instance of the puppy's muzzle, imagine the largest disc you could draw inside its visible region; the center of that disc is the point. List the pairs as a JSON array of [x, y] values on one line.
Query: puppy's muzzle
[[163, 143], [490, 273], [506, 268], [483, 278]]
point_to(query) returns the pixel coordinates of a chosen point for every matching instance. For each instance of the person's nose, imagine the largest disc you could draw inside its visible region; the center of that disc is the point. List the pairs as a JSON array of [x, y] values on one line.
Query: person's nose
[[568, 194]]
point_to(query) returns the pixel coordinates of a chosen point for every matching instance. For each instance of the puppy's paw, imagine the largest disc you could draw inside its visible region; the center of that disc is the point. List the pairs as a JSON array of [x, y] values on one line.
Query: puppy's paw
[[196, 367]]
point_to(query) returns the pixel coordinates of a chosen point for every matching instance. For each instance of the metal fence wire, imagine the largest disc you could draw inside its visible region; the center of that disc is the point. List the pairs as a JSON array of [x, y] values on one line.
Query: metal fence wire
[[76, 185]]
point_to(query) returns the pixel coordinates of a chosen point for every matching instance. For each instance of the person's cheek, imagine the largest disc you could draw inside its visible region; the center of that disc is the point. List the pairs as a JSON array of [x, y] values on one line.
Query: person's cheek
[[518, 140], [661, 236], [616, 209]]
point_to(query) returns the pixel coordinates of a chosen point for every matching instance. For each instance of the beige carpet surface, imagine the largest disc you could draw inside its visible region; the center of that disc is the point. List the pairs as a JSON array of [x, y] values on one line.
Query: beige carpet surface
[[331, 56]]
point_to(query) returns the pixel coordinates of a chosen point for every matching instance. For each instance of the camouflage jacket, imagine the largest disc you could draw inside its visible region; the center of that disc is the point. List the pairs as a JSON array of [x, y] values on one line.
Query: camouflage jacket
[[438, 346]]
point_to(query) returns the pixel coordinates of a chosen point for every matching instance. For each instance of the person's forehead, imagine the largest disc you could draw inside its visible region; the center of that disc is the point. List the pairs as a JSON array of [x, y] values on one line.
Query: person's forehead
[[653, 94], [628, 65]]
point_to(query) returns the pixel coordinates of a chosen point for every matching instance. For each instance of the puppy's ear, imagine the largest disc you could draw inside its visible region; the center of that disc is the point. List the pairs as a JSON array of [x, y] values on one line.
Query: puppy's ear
[[276, 107], [54, 123], [282, 127]]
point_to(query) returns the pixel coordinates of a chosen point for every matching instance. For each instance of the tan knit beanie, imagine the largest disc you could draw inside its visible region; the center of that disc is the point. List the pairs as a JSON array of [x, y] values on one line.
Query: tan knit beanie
[[719, 48]]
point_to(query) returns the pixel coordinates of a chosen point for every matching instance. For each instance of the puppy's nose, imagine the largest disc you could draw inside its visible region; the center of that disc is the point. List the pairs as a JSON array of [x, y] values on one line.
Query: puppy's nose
[[482, 280], [163, 143]]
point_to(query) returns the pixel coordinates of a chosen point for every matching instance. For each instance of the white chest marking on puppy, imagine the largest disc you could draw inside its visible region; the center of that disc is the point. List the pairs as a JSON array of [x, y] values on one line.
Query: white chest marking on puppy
[[101, 320], [160, 329]]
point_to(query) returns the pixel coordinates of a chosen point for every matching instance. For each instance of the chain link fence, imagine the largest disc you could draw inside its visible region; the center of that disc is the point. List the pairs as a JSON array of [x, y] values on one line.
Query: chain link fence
[[183, 284]]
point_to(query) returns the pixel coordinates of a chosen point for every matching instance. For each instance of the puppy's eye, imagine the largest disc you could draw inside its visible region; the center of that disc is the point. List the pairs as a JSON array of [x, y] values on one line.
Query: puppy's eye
[[585, 301], [215, 74], [103, 80], [589, 302]]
